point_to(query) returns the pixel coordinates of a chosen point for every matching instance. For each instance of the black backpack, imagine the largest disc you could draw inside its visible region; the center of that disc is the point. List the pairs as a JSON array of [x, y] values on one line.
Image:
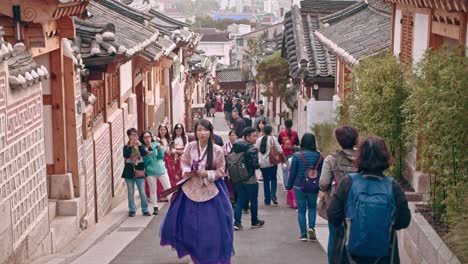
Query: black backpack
[[237, 168]]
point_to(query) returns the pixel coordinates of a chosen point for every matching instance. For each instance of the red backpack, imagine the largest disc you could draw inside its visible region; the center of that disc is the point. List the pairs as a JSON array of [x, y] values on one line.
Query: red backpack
[[286, 141]]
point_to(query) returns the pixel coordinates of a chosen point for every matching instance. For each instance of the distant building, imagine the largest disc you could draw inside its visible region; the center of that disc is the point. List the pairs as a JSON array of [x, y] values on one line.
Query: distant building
[[215, 43], [236, 30]]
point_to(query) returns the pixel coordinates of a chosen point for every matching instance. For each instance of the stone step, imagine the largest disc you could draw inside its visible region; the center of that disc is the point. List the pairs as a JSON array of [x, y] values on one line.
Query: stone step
[[63, 229], [52, 209]]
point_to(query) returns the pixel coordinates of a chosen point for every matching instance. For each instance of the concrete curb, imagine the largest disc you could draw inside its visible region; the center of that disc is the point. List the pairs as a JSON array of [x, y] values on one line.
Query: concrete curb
[[90, 237]]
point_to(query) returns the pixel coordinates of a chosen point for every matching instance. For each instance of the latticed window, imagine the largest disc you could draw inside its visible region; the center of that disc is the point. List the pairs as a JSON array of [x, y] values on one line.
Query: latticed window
[[113, 84], [96, 87], [407, 25]]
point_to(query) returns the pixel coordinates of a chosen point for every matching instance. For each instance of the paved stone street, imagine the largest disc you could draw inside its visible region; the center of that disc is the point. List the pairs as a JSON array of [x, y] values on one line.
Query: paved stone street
[[136, 240], [276, 243]]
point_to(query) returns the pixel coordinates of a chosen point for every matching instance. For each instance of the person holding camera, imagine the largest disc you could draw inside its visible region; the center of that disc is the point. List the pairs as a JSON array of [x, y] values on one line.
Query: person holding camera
[[154, 166], [134, 172]]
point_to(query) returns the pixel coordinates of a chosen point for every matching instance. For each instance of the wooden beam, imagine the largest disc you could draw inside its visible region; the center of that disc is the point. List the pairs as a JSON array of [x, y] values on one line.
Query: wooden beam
[[71, 127], [462, 38], [51, 44], [47, 99], [446, 30], [66, 26], [58, 111]]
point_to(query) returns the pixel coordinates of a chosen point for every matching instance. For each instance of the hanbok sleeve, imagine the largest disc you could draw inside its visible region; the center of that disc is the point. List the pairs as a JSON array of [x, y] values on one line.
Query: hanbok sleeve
[[220, 163], [186, 159]]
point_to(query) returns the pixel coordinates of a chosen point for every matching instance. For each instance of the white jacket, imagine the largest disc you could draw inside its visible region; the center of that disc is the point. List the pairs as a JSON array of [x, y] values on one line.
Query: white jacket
[[264, 158]]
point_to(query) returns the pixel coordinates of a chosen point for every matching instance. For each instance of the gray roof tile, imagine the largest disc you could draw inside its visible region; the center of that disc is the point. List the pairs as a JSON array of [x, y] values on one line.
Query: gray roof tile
[[363, 33]]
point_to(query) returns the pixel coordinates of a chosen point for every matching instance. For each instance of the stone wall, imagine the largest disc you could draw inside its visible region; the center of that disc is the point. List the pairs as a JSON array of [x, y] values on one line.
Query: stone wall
[[419, 243], [23, 187], [116, 123], [103, 170]]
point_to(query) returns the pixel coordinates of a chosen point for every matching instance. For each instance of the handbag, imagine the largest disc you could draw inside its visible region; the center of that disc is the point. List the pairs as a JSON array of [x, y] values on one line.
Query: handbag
[[140, 173], [323, 204], [311, 179], [275, 156]]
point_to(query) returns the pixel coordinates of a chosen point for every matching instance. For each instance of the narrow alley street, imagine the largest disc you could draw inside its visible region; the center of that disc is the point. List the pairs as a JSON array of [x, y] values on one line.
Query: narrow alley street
[[276, 243]]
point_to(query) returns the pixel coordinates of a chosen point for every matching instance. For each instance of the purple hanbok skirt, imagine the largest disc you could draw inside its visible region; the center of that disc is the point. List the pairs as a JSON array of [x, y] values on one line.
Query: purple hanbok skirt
[[202, 230]]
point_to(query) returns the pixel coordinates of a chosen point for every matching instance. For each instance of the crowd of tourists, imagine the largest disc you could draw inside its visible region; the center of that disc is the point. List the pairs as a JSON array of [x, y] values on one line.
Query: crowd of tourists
[[210, 184]]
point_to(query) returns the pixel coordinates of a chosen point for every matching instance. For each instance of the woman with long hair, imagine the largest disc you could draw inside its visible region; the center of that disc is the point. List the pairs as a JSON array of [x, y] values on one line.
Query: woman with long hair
[[177, 146], [307, 157], [154, 167], [164, 138], [268, 169], [199, 221], [260, 126], [288, 138]]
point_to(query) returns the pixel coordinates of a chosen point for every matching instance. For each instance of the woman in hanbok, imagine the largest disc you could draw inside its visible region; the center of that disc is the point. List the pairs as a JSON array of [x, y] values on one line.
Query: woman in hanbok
[[177, 146], [164, 138], [198, 222]]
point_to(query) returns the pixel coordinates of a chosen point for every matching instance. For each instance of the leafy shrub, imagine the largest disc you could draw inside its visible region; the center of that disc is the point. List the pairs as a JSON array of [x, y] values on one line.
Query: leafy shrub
[[374, 105], [325, 136]]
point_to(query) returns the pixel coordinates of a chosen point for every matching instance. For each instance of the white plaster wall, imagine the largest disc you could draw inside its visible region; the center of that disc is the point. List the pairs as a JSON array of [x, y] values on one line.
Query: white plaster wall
[[397, 33], [421, 36], [48, 138], [44, 60], [221, 49], [125, 77], [319, 112]]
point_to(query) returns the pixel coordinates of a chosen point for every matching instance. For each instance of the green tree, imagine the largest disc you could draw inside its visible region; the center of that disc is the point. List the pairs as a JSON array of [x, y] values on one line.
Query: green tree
[[374, 105], [273, 72]]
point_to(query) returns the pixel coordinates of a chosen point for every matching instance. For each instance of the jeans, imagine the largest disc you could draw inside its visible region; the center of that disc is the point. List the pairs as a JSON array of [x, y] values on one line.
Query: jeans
[[306, 202], [331, 237], [153, 186], [285, 173], [269, 183], [246, 192], [140, 183]]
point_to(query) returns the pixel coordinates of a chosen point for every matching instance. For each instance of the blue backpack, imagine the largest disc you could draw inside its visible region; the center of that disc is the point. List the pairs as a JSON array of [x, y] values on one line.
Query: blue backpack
[[370, 211]]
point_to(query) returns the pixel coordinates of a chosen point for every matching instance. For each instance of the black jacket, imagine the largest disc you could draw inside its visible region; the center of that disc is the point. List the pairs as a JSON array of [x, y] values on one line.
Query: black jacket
[[251, 156], [129, 168], [337, 209]]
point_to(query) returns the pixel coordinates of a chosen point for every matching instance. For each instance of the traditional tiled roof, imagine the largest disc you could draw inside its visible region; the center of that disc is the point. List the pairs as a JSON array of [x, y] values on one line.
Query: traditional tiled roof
[[346, 12], [23, 70], [212, 35], [6, 50], [364, 33], [324, 7], [114, 29], [230, 75]]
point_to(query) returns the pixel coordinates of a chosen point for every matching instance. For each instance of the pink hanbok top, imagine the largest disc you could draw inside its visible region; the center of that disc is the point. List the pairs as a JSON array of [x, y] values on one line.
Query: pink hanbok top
[[202, 189]]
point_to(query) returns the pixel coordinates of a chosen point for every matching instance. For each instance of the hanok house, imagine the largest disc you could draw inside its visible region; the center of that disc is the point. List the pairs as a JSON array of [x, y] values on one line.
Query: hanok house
[[416, 27], [231, 80], [311, 65], [119, 53], [360, 30], [31, 37]]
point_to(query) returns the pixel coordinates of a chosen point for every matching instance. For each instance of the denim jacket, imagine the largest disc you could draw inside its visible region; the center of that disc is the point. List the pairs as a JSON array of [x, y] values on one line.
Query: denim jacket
[[298, 167], [154, 164]]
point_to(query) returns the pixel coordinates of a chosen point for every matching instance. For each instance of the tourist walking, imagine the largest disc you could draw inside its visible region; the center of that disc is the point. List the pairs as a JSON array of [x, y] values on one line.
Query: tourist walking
[[164, 138], [239, 124], [287, 138], [227, 110], [304, 164], [371, 206], [199, 221], [247, 190], [177, 145], [335, 167], [154, 167], [260, 117], [260, 126], [134, 172], [264, 144]]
